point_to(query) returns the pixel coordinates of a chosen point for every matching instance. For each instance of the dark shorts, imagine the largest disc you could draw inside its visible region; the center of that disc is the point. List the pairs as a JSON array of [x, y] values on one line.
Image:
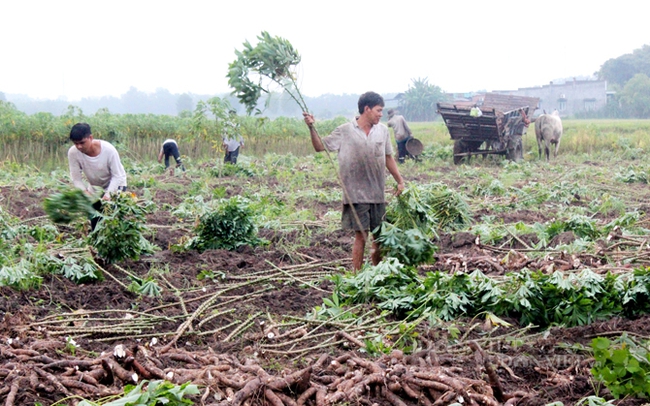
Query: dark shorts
[[371, 215], [402, 152], [171, 149], [231, 156]]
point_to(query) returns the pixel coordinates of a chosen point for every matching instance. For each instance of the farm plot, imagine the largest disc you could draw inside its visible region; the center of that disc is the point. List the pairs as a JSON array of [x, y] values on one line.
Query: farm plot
[[543, 259]]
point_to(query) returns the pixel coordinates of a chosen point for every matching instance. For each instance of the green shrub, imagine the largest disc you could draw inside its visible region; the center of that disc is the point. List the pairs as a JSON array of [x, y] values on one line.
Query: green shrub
[[119, 232], [622, 365], [229, 226], [410, 247]]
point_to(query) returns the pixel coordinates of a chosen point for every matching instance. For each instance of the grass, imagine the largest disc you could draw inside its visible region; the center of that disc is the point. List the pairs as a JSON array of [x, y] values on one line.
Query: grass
[[579, 137], [598, 160], [139, 143]]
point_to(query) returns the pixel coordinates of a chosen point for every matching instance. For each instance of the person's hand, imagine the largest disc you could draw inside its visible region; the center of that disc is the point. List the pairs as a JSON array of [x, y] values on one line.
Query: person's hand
[[106, 197], [399, 189], [309, 119], [159, 160]]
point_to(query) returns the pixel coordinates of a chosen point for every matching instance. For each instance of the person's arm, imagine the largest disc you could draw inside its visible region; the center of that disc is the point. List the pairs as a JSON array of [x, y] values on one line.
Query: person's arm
[[315, 138], [118, 174], [160, 155], [407, 128], [75, 171], [391, 165]]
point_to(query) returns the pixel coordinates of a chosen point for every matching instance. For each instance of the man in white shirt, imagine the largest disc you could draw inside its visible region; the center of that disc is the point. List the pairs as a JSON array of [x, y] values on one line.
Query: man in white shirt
[[98, 161], [170, 148]]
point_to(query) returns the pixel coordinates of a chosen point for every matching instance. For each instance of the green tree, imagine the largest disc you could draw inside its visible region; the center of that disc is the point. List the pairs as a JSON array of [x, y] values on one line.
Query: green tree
[[620, 70], [184, 103], [135, 101], [216, 108], [635, 96], [418, 103]]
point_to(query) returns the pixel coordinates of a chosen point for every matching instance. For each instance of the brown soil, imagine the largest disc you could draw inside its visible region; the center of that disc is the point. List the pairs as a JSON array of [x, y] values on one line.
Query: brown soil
[[540, 366]]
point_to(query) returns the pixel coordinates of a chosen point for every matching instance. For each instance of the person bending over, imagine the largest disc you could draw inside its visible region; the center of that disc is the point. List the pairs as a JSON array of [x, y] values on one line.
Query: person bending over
[[97, 161], [170, 148]]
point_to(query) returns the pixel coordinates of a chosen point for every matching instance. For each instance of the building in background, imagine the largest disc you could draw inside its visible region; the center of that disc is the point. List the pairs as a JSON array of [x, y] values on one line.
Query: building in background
[[569, 98]]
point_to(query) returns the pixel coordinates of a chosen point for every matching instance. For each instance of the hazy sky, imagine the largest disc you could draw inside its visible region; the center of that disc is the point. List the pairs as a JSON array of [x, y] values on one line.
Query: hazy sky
[[92, 48]]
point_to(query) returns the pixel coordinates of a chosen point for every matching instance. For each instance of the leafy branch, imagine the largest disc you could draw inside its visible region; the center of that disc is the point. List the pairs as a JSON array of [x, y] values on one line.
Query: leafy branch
[[273, 58]]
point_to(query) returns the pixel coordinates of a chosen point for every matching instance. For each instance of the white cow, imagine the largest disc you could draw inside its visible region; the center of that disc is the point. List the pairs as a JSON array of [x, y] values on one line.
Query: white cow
[[548, 129]]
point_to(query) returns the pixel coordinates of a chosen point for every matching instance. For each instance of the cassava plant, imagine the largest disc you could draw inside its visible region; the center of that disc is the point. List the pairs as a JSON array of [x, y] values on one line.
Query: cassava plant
[[148, 393], [622, 365], [229, 226], [410, 246], [272, 60], [119, 233], [534, 297], [67, 205], [412, 210], [448, 206]]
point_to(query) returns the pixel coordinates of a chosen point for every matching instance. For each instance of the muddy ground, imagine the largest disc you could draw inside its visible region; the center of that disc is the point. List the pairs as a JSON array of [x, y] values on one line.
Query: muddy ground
[[38, 367]]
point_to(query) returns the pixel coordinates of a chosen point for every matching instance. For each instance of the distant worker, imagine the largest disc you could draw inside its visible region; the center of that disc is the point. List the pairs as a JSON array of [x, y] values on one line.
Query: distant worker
[[98, 161], [402, 134], [170, 148], [364, 153], [232, 139]]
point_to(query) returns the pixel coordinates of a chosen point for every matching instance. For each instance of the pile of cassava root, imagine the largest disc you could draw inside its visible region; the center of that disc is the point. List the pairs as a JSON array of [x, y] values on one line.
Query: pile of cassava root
[[42, 371]]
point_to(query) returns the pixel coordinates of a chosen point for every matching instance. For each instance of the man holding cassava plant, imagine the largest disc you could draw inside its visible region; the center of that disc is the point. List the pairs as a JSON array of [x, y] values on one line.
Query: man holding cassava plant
[[98, 160], [364, 150]]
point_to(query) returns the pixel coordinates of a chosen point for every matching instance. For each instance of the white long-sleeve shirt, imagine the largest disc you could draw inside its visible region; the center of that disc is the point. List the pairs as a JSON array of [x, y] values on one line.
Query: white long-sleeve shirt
[[104, 170]]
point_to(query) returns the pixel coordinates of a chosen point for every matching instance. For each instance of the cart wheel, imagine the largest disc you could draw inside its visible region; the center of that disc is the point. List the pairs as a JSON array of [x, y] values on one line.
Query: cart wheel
[[474, 146], [459, 148], [515, 150]]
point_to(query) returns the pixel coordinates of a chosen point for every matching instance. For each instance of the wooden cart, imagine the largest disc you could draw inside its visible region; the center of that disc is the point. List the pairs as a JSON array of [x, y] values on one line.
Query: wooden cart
[[494, 126]]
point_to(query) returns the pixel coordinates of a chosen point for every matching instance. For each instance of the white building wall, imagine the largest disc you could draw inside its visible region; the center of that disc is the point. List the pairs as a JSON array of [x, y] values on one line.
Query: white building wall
[[568, 98]]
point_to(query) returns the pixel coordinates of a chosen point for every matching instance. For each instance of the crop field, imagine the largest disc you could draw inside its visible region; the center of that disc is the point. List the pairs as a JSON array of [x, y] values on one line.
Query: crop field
[[520, 283]]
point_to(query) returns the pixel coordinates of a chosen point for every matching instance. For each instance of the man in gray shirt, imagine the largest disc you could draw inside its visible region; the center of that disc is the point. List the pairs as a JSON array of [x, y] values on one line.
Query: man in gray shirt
[[364, 152], [96, 159], [402, 134]]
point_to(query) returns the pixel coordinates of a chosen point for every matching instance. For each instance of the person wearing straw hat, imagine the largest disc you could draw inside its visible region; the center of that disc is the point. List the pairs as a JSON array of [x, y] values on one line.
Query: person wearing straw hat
[[364, 153], [402, 134]]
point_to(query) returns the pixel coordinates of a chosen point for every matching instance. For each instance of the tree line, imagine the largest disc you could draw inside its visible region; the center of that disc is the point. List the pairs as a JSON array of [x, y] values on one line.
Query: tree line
[[628, 77], [163, 102]]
